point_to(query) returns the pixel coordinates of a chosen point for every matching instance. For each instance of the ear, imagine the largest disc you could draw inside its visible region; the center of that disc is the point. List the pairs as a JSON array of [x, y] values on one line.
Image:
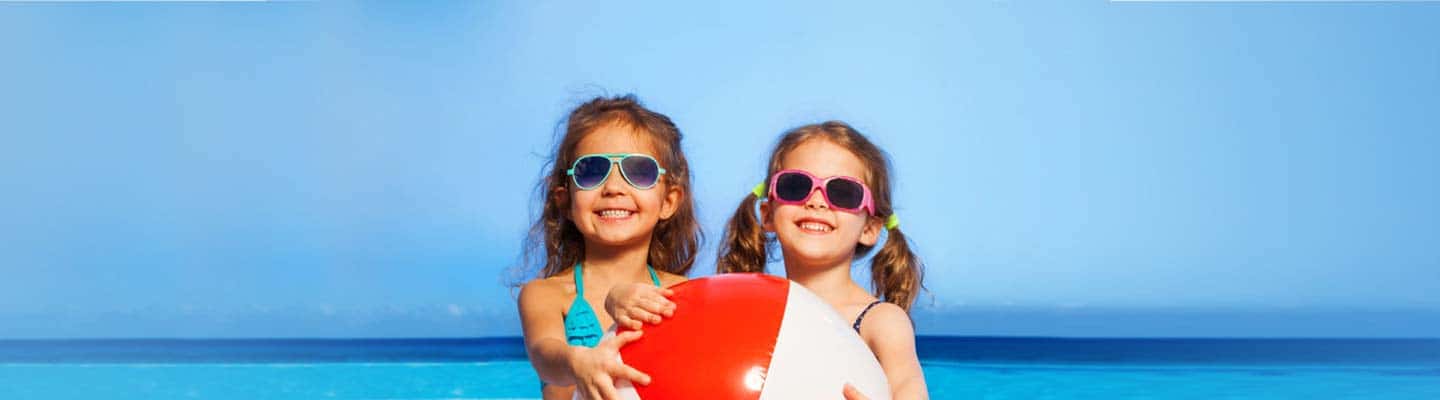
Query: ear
[[561, 196], [871, 234], [671, 203], [766, 223]]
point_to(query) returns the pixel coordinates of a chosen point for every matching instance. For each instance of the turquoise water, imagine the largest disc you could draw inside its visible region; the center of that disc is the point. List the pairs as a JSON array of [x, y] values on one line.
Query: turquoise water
[[515, 379], [954, 367]]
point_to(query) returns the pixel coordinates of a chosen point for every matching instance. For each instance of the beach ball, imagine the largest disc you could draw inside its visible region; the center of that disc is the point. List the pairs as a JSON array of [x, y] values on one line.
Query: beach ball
[[751, 336]]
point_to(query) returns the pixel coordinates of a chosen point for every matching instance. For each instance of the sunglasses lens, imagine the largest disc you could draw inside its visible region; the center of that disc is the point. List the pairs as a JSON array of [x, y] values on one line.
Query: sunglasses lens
[[641, 171], [591, 171], [844, 193], [793, 187]]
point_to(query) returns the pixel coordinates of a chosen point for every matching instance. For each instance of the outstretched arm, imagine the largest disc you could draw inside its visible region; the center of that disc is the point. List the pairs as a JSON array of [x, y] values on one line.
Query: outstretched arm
[[542, 323], [591, 370]]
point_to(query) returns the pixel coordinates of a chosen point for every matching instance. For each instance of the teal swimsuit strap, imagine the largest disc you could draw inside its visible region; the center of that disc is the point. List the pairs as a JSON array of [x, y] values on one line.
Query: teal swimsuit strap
[[582, 328], [653, 276], [579, 282], [580, 279]]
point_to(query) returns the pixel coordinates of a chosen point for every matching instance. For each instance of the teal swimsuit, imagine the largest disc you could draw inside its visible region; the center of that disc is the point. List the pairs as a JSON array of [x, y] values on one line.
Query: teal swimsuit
[[582, 328]]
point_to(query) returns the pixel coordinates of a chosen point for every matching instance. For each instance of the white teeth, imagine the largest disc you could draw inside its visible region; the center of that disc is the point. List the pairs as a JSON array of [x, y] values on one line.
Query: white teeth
[[615, 213], [815, 226]]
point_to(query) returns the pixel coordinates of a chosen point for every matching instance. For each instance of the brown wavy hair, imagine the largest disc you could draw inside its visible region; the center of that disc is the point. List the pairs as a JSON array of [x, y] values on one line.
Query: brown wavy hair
[[555, 244], [895, 271]]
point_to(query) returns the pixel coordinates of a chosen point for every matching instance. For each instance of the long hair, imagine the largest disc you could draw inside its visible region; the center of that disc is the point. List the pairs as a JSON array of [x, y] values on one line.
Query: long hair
[[896, 272], [555, 244]]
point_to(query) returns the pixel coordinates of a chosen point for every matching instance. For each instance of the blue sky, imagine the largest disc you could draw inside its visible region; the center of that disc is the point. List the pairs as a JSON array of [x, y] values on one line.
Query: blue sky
[[341, 169]]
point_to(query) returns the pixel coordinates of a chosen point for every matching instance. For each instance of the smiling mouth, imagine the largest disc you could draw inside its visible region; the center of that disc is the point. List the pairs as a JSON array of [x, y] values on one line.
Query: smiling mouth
[[814, 227], [614, 214]]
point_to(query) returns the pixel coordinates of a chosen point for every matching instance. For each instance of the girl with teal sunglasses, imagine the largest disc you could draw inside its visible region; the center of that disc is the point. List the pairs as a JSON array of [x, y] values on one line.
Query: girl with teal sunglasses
[[596, 232]]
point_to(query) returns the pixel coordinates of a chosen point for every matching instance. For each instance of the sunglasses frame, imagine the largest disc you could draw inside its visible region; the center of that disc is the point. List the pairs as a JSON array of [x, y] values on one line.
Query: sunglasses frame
[[615, 160], [866, 203]]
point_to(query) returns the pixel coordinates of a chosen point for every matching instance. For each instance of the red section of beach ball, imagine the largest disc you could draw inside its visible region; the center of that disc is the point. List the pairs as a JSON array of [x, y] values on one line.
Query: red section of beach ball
[[719, 342]]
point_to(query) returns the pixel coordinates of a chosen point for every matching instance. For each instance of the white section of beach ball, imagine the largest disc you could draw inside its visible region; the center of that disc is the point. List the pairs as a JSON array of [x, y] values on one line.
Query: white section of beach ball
[[817, 352]]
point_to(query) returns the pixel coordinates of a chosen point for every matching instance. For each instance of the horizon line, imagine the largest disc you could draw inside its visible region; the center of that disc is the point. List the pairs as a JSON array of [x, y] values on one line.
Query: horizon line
[[454, 338]]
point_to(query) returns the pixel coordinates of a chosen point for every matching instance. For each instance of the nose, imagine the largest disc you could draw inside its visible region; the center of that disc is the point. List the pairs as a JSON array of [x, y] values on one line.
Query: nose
[[816, 200], [614, 183]]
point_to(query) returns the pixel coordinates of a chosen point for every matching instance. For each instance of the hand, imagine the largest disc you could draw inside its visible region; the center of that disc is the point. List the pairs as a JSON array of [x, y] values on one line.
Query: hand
[[851, 393], [634, 304], [597, 368]]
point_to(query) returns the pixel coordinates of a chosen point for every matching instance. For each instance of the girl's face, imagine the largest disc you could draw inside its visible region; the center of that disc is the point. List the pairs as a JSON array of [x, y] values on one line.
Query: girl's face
[[615, 213], [812, 233]]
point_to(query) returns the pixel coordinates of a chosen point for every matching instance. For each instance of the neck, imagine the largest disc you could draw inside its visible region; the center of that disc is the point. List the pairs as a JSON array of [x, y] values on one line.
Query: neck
[[616, 263], [831, 282]]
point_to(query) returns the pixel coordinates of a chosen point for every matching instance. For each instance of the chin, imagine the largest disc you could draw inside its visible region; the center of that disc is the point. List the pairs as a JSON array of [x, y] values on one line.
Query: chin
[[617, 236], [618, 239], [816, 252]]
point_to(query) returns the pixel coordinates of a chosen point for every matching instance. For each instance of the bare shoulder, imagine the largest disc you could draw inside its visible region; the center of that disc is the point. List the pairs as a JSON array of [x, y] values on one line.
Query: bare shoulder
[[544, 292], [668, 279], [887, 322]]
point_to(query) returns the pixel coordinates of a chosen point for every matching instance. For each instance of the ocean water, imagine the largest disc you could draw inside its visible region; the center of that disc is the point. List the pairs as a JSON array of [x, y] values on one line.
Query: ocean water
[[955, 367]]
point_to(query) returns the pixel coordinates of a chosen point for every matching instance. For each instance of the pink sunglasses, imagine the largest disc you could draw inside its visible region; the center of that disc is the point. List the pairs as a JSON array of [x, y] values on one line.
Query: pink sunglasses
[[793, 186]]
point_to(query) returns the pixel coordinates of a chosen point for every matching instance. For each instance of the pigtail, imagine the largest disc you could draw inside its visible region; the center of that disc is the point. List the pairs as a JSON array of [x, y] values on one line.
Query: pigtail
[[744, 248], [896, 271]]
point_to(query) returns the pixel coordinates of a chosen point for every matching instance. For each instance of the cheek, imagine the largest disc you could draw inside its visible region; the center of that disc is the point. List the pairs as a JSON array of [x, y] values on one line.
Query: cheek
[[650, 200], [852, 224], [784, 212], [580, 201]]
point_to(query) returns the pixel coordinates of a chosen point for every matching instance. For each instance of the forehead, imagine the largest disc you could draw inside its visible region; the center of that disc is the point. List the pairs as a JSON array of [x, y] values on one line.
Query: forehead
[[824, 159], [615, 138]]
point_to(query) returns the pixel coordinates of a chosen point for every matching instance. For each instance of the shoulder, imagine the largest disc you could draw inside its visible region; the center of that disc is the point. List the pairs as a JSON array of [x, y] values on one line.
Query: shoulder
[[668, 279], [891, 337], [544, 291], [886, 322]]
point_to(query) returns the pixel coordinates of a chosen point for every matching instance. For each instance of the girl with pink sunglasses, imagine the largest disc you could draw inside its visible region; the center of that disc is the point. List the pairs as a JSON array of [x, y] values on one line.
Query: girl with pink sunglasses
[[826, 201]]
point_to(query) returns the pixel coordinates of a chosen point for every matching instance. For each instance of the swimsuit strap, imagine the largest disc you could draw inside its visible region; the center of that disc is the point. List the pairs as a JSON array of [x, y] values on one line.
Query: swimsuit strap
[[582, 328], [653, 276], [579, 281], [861, 317]]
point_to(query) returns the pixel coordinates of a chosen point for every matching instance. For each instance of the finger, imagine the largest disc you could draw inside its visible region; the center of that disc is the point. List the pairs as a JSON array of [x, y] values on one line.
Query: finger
[[625, 338], [631, 323], [667, 292], [637, 312], [656, 305], [607, 390], [669, 311], [646, 315], [625, 321], [631, 374], [615, 342], [591, 393], [851, 393]]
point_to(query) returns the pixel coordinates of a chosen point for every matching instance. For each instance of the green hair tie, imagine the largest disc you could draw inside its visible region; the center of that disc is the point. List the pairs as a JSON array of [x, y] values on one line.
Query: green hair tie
[[759, 190], [892, 222]]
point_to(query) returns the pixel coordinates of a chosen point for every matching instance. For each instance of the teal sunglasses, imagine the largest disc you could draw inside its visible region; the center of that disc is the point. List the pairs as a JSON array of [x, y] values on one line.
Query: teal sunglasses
[[591, 170]]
